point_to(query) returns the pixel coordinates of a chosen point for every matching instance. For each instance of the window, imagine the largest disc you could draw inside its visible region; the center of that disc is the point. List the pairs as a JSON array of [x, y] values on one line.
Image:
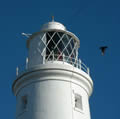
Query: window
[[24, 102], [78, 102], [60, 46]]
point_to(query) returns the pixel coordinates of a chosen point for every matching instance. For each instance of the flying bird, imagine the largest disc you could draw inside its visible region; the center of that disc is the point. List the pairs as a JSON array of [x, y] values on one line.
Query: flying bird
[[103, 48]]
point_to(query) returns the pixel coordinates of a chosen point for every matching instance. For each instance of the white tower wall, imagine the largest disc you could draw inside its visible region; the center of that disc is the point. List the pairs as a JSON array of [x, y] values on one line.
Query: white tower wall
[[35, 47], [51, 91], [54, 86]]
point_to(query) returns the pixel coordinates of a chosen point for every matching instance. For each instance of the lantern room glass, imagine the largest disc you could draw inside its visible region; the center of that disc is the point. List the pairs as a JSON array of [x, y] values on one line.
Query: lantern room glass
[[60, 46]]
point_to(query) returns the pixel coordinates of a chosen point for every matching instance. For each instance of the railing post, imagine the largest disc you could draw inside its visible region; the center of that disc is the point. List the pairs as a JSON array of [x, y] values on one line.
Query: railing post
[[53, 57], [27, 63], [63, 58], [80, 63], [88, 71], [17, 71], [76, 63]]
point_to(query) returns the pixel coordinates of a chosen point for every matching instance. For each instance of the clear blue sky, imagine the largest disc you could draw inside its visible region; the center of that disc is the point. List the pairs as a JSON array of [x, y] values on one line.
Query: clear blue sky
[[94, 22]]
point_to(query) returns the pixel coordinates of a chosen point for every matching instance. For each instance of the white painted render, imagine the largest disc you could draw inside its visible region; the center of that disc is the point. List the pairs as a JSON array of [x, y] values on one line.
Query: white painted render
[[34, 54], [48, 90]]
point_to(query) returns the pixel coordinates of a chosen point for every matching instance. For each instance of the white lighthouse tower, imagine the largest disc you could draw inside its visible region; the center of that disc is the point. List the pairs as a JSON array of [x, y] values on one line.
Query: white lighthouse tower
[[55, 84]]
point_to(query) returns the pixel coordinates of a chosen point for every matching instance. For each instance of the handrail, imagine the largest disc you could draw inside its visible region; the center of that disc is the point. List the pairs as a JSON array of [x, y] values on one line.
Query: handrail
[[70, 60], [73, 61]]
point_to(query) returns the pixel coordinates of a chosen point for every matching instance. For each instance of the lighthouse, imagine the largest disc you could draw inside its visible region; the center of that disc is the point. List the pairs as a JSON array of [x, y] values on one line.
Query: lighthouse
[[55, 83]]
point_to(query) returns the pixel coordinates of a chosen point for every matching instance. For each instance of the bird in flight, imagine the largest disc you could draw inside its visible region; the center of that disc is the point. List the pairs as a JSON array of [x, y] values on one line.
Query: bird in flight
[[103, 48]]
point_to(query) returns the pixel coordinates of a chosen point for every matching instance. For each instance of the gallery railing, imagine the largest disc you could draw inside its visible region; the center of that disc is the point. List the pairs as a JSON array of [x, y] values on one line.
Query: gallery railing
[[61, 59]]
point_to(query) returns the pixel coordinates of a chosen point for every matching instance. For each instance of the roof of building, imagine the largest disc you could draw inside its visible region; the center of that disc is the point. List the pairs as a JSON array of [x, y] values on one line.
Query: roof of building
[[52, 26]]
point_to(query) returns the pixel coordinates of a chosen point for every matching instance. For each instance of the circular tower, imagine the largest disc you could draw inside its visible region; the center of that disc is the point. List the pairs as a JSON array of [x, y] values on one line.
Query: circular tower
[[55, 84]]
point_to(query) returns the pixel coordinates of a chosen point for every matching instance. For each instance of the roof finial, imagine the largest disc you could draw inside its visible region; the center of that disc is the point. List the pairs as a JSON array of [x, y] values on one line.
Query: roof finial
[[52, 18]]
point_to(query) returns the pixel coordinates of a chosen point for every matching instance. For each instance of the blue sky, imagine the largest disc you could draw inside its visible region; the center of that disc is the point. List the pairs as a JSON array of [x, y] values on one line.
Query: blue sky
[[96, 23]]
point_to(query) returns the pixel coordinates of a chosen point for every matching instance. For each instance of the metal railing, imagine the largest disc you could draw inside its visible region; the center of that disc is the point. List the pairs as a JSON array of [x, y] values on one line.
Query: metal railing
[[52, 59]]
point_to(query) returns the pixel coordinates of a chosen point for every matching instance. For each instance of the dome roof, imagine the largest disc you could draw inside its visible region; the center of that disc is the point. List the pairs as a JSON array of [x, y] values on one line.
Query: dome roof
[[53, 26]]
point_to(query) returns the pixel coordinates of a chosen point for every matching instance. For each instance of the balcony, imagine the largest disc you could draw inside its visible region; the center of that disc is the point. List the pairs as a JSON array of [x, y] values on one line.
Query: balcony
[[77, 63]]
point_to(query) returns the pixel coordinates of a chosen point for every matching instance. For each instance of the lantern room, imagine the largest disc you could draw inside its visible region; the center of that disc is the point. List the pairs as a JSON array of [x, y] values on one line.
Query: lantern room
[[52, 44]]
